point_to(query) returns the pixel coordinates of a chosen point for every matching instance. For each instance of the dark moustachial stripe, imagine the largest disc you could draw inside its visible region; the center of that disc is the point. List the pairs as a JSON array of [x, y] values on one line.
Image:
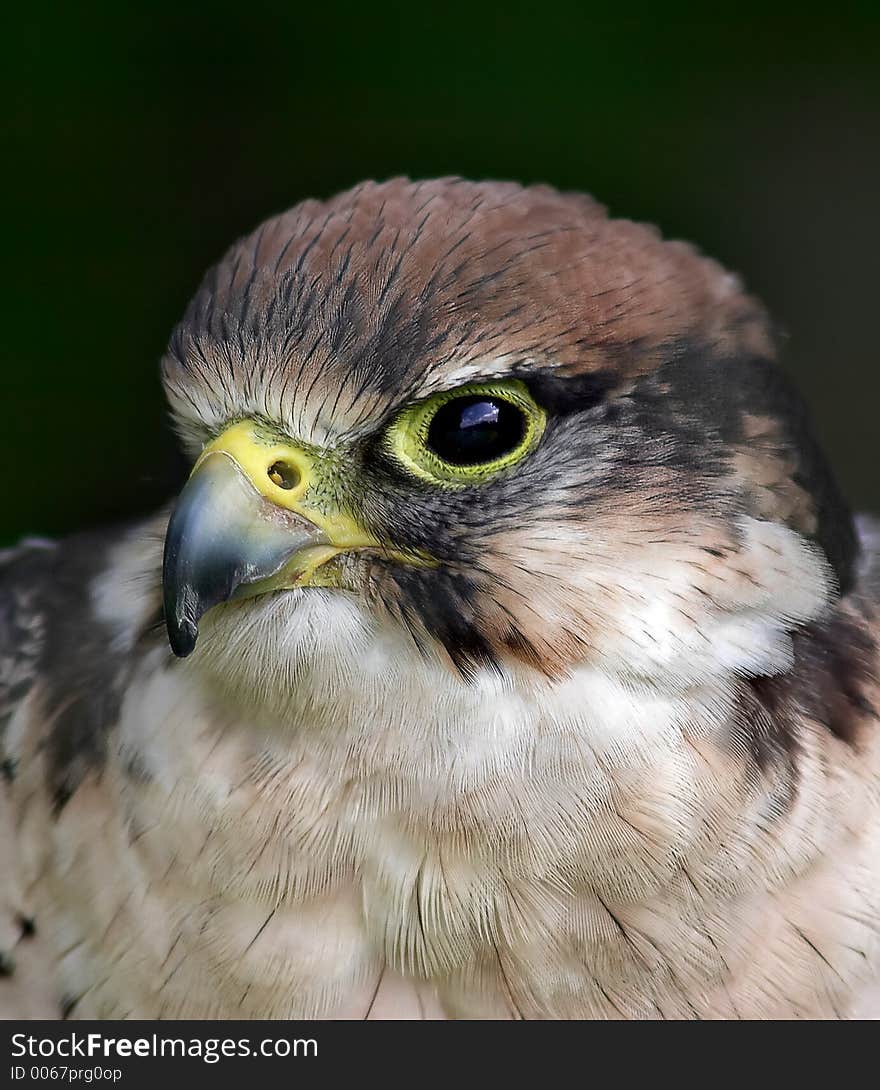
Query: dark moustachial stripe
[[448, 616]]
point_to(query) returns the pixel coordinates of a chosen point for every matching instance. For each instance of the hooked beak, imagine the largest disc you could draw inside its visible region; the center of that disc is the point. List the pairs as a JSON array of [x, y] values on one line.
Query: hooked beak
[[224, 540], [259, 513]]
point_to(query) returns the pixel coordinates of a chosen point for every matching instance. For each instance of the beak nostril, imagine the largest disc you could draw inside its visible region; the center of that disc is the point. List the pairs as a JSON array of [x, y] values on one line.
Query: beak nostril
[[284, 475]]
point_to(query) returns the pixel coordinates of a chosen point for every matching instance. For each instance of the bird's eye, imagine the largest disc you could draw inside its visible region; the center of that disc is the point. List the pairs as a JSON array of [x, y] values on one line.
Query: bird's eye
[[463, 436], [469, 431]]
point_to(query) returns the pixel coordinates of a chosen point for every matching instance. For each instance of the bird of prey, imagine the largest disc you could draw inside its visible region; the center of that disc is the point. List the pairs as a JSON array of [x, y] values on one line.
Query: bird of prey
[[510, 652]]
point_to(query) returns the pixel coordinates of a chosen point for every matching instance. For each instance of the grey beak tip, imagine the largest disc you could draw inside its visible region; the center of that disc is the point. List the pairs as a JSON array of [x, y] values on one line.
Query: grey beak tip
[[182, 638], [181, 608], [183, 630]]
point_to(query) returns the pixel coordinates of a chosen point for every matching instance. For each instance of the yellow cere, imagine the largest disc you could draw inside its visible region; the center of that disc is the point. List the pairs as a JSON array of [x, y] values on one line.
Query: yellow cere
[[283, 473], [406, 438]]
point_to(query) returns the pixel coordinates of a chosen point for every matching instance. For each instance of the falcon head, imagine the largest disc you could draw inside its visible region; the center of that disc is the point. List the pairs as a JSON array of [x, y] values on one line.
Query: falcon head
[[494, 422]]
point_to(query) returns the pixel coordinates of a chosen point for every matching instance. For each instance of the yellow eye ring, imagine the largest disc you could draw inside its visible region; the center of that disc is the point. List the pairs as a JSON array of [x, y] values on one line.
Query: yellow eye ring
[[505, 422]]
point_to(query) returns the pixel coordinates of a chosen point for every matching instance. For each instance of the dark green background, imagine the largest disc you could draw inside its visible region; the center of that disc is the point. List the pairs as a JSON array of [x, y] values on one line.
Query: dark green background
[[143, 139]]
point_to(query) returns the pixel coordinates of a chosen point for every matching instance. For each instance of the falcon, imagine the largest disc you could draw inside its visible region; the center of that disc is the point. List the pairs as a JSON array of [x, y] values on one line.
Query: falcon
[[510, 652]]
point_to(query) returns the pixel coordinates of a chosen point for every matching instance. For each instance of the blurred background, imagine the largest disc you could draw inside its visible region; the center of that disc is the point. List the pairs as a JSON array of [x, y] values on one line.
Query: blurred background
[[142, 142]]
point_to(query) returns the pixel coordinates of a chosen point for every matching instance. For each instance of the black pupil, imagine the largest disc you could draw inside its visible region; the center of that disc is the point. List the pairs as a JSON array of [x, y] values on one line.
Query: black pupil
[[468, 431]]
